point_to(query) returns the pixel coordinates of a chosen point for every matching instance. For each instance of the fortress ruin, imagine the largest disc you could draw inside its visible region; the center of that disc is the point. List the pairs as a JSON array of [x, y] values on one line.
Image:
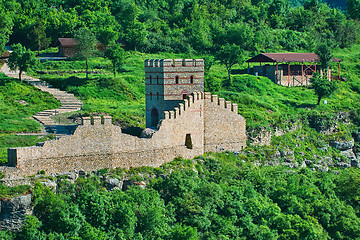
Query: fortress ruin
[[186, 122]]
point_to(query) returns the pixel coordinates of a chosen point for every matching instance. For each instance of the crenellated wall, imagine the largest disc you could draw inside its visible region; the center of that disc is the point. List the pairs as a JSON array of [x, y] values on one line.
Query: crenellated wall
[[200, 123], [224, 128], [187, 122]]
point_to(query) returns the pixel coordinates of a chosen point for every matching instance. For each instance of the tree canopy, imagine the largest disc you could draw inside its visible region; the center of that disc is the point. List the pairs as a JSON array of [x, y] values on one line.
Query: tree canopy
[[21, 59], [229, 55], [186, 26], [85, 45], [322, 85], [116, 55]]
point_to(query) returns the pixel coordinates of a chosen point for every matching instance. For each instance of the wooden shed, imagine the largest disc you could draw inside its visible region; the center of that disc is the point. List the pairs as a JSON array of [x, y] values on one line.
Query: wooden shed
[[67, 47]]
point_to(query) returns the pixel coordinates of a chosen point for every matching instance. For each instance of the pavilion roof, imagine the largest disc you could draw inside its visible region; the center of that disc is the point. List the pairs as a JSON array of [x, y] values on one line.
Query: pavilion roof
[[287, 57]]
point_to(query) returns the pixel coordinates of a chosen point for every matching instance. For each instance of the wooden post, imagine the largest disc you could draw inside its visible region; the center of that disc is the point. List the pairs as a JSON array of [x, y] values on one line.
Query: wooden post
[[302, 73], [277, 73], [288, 74]]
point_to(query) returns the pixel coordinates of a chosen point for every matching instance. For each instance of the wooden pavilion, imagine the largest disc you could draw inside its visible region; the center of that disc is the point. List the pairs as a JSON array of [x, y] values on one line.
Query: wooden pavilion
[[288, 69]]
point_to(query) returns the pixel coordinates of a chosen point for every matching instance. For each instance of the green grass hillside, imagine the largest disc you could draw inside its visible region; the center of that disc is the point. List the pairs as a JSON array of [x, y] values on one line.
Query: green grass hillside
[[18, 102]]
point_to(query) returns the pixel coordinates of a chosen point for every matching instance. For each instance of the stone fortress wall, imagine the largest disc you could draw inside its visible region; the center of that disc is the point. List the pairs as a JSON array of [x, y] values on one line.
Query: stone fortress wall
[[200, 123]]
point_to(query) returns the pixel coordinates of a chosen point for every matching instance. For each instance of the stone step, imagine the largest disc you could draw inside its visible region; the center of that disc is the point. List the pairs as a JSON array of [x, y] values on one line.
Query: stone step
[[70, 103]]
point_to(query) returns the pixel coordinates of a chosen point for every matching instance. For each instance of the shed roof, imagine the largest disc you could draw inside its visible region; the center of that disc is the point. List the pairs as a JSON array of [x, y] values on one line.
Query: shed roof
[[67, 42], [288, 57]]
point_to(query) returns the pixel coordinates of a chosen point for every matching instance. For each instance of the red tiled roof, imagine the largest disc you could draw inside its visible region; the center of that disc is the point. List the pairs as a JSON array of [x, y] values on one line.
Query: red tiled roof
[[288, 57], [67, 42]]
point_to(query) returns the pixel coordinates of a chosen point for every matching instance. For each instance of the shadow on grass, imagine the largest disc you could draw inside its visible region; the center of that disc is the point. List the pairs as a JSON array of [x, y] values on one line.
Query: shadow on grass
[[62, 83], [294, 104]]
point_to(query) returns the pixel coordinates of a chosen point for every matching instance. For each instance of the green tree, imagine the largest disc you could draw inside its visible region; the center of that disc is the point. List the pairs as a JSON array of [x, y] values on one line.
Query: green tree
[[322, 86], [229, 55], [39, 36], [85, 45], [30, 229], [21, 59], [116, 55], [6, 25], [325, 55]]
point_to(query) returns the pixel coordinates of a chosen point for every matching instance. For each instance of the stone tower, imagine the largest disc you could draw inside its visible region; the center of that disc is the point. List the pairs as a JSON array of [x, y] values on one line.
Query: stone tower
[[168, 82]]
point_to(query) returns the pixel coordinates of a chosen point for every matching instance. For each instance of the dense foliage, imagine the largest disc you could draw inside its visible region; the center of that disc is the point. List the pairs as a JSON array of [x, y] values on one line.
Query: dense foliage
[[182, 26], [211, 197]]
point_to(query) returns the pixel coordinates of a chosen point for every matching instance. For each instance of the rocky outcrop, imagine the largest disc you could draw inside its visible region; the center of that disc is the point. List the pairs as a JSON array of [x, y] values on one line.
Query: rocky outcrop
[[342, 145], [13, 211]]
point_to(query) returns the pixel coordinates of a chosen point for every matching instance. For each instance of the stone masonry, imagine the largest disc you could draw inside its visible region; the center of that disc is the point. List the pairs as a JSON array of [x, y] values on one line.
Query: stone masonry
[[187, 123]]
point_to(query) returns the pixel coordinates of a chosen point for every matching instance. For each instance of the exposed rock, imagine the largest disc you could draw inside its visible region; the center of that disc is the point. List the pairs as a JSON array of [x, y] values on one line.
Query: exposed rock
[[290, 165], [349, 154], [22, 102], [257, 164], [82, 173], [342, 145], [308, 162], [321, 168], [303, 164], [263, 138], [113, 183], [12, 182], [271, 163], [50, 184], [13, 212], [343, 165], [147, 133], [325, 148], [70, 175], [276, 155]]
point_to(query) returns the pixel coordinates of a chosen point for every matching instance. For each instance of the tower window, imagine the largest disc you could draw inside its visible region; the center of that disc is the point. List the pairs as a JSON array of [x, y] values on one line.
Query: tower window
[[191, 79], [177, 79], [150, 79]]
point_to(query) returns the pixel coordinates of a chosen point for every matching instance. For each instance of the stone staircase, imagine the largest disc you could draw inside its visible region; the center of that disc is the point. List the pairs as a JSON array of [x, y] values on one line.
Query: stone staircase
[[69, 103]]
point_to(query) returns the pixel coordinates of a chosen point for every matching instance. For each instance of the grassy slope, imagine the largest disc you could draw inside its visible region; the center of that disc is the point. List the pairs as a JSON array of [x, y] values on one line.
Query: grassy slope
[[15, 117]]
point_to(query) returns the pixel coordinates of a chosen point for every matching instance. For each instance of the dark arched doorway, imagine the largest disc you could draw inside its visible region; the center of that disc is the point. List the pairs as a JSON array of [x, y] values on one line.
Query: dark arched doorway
[[154, 117]]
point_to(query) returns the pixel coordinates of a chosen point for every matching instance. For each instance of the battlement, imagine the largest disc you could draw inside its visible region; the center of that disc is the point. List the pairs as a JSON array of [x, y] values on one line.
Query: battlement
[[174, 63], [195, 96], [96, 120]]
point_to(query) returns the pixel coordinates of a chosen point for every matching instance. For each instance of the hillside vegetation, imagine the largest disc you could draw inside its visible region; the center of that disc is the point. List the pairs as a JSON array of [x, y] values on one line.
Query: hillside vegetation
[[182, 26], [211, 197]]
